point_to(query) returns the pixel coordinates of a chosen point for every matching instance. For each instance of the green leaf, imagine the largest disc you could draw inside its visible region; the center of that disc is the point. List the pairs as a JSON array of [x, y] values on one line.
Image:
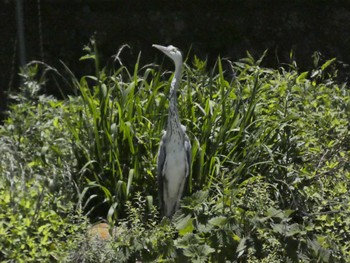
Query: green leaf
[[218, 221], [327, 63], [184, 225], [241, 247], [302, 77], [276, 213], [88, 56]]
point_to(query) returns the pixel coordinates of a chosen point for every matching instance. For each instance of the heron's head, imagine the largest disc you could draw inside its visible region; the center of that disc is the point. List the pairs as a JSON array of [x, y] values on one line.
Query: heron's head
[[172, 52]]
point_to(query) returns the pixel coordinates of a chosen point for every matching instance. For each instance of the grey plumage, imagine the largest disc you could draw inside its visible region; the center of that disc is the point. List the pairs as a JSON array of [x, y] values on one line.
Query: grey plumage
[[174, 155]]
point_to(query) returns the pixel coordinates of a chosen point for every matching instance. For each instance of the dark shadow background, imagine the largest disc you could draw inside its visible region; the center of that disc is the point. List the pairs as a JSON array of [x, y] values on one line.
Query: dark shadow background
[[208, 28]]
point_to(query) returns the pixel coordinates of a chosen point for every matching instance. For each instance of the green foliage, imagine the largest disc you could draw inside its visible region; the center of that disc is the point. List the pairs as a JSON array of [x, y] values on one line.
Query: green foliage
[[35, 226], [38, 221], [33, 139], [141, 236], [270, 168]]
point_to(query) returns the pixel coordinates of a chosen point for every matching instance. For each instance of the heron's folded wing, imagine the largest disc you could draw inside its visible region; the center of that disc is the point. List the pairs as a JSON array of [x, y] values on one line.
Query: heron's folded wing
[[188, 151], [160, 169]]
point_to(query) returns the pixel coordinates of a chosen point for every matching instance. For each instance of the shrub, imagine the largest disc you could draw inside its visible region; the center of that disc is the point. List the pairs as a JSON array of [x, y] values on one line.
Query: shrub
[[35, 225]]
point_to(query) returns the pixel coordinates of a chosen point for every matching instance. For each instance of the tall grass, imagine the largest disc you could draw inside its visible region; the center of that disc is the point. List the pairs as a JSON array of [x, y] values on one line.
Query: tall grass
[[115, 136], [117, 129]]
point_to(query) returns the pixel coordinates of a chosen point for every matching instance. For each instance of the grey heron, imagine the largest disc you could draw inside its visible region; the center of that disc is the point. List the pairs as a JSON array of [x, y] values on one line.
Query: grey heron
[[174, 155]]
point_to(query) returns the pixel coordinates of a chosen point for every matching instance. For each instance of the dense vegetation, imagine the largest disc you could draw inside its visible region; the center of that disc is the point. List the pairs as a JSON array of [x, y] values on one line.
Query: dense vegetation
[[270, 180]]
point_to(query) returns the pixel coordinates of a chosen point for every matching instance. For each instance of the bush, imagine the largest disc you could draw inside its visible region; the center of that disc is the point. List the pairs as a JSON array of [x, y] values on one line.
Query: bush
[[36, 226], [39, 220]]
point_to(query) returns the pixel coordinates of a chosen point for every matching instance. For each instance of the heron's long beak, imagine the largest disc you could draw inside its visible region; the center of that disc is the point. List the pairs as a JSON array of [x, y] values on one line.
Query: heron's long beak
[[161, 48]]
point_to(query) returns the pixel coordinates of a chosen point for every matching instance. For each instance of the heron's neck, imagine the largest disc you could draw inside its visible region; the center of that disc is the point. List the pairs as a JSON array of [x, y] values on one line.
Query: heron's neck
[[173, 118]]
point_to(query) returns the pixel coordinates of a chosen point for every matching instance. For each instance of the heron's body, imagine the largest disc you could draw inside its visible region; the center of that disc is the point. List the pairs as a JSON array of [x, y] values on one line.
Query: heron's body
[[174, 174], [174, 156]]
